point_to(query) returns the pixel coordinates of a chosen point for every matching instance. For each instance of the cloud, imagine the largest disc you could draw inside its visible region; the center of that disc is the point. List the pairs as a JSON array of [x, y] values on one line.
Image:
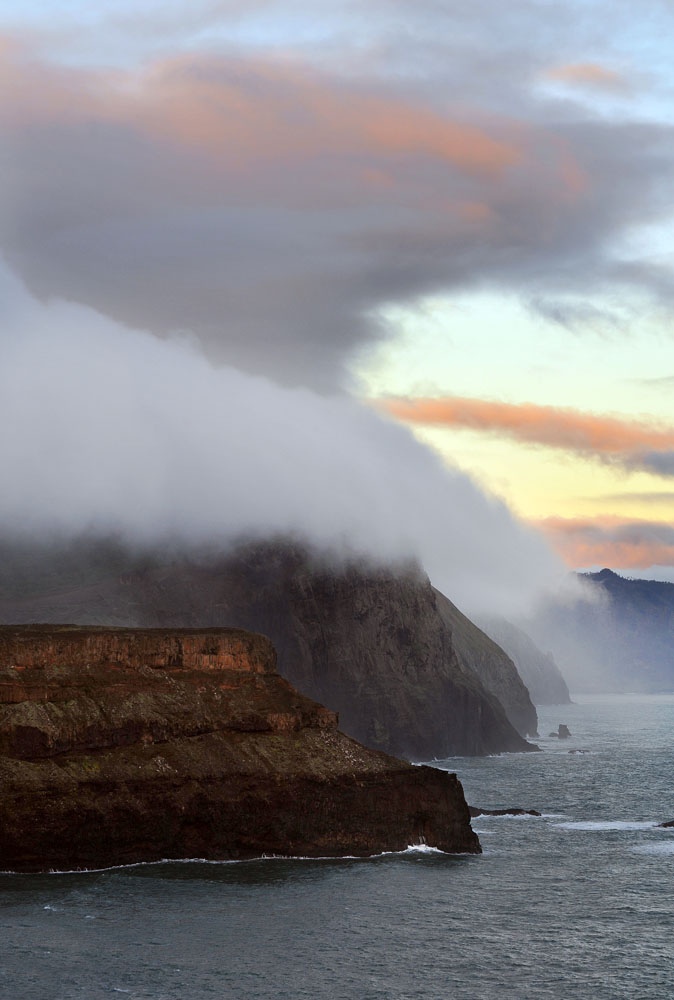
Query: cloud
[[610, 541], [635, 496], [663, 382], [586, 74], [271, 207], [114, 431], [578, 315], [629, 442], [659, 462]]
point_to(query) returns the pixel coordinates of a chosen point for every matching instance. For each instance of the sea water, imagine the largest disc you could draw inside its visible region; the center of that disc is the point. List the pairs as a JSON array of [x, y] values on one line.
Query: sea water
[[576, 904]]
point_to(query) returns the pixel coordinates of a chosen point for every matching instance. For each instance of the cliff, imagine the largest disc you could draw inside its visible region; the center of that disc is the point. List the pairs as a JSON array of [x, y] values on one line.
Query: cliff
[[538, 670], [370, 644], [617, 637], [121, 745], [482, 656]]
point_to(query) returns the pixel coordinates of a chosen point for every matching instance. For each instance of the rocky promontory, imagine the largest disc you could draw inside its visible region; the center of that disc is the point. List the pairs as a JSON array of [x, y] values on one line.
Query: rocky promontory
[[121, 745]]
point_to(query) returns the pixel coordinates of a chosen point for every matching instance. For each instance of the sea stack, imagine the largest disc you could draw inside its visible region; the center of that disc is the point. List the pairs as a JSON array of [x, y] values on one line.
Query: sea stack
[[125, 745]]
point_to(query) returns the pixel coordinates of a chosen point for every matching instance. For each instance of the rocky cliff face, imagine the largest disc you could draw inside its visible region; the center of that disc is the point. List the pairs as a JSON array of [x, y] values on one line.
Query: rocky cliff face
[[537, 669], [122, 745], [485, 659], [369, 644]]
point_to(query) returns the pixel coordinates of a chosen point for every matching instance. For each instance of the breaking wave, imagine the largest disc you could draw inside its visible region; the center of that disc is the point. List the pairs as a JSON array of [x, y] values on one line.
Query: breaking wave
[[600, 826]]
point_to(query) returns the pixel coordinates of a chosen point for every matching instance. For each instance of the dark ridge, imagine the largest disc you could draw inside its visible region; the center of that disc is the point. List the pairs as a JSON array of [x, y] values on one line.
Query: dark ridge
[[369, 643]]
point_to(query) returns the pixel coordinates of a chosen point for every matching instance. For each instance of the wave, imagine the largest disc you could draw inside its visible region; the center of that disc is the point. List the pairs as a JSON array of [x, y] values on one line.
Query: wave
[[656, 847], [519, 816], [411, 849], [604, 825]]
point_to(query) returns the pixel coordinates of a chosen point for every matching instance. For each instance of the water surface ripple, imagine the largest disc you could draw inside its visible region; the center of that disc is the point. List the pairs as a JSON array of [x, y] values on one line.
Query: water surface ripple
[[577, 904]]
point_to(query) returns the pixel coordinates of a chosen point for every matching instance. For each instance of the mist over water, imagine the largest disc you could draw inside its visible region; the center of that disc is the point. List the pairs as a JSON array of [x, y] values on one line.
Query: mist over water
[[111, 430]]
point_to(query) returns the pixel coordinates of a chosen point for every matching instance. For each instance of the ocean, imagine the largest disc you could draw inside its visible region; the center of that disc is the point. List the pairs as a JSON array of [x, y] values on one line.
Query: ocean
[[576, 904]]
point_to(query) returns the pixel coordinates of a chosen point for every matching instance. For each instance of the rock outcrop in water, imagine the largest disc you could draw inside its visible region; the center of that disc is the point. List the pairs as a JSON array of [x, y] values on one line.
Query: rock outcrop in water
[[562, 733], [121, 745]]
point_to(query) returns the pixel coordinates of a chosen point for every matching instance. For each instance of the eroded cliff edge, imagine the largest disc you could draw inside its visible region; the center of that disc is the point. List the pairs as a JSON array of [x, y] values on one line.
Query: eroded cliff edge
[[121, 745]]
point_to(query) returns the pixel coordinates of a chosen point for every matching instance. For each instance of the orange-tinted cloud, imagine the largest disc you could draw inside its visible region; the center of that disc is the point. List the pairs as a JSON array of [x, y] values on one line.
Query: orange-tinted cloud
[[551, 426], [260, 202], [585, 74], [265, 110], [610, 541]]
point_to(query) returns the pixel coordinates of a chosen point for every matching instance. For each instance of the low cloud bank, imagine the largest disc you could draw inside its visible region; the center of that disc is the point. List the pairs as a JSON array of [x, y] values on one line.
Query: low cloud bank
[[111, 430]]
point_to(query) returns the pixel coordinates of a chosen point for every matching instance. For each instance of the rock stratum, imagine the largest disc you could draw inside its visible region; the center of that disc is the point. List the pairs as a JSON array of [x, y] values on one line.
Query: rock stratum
[[125, 745], [373, 644]]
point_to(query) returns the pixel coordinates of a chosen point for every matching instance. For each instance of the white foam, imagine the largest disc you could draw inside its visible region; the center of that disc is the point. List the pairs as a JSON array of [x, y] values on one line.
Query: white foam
[[602, 825], [656, 847], [411, 849], [507, 816]]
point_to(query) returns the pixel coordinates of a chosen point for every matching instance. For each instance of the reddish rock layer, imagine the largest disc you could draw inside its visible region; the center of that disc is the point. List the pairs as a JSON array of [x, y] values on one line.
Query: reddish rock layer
[[121, 745]]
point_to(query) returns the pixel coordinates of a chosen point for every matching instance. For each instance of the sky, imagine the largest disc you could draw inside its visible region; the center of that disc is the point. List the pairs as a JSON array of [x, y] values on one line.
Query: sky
[[405, 264]]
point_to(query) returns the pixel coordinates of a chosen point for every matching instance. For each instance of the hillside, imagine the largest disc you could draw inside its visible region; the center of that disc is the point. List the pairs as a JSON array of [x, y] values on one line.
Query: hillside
[[619, 638], [482, 656], [370, 644], [538, 670]]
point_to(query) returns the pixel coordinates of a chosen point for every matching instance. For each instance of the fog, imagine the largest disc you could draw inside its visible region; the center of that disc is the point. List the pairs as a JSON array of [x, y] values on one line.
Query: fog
[[269, 202], [110, 430]]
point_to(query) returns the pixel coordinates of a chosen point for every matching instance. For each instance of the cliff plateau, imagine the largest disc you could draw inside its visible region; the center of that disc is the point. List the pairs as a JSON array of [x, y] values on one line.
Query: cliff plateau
[[120, 745]]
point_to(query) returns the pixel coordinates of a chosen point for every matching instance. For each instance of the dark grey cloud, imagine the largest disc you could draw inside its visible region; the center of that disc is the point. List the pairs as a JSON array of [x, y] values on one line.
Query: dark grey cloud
[[635, 496], [659, 462], [271, 208]]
